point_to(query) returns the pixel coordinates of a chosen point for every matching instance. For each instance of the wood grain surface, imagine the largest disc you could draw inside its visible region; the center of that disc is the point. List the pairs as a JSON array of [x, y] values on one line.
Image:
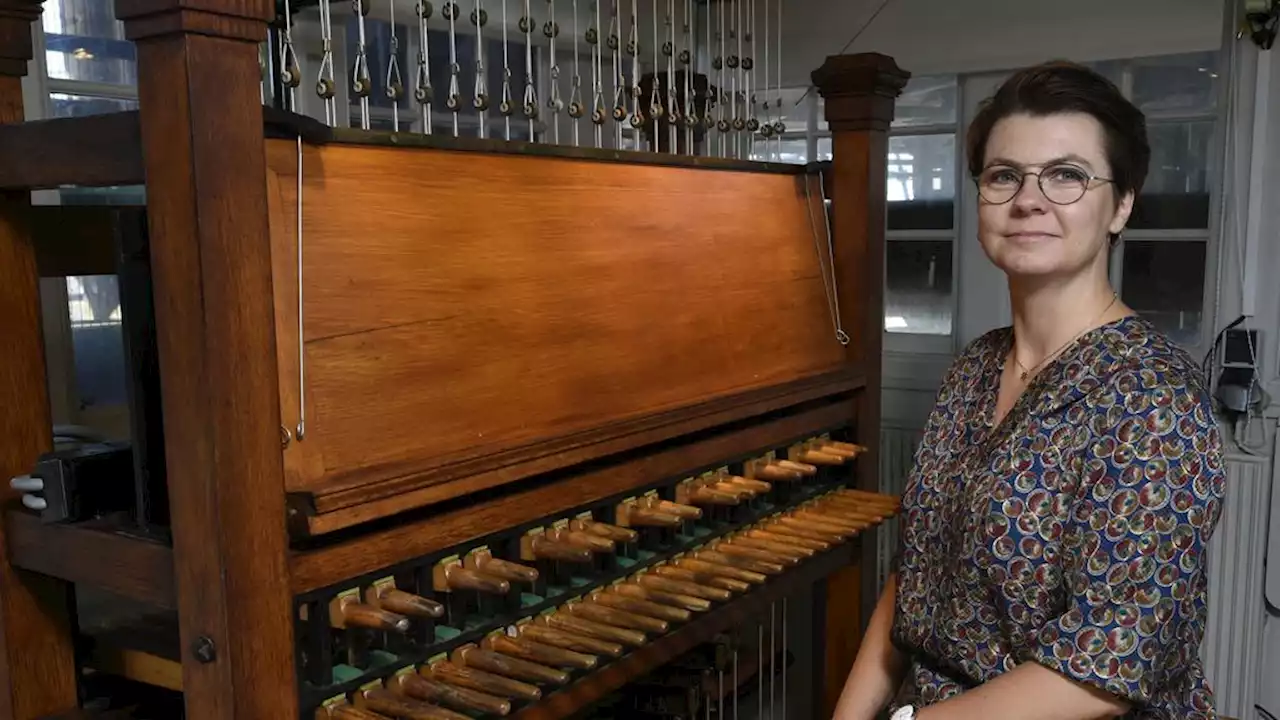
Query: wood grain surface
[[37, 663], [458, 305], [199, 88]]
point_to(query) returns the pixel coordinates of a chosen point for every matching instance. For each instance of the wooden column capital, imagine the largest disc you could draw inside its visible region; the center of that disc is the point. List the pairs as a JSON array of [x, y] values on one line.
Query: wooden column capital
[[230, 19], [858, 91], [16, 17]]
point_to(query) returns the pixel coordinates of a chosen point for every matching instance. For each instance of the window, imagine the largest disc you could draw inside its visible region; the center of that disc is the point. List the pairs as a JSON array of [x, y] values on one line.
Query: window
[[921, 213], [1161, 266]]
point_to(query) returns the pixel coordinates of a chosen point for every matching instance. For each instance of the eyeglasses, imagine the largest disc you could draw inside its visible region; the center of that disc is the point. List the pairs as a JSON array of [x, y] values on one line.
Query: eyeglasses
[[1061, 184]]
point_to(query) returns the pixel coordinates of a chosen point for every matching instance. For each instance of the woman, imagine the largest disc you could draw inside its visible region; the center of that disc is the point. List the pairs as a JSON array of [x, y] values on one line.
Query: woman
[[1054, 526]]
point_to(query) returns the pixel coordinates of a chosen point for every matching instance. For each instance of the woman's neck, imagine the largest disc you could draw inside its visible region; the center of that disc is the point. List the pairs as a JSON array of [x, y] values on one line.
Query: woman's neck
[[1047, 316]]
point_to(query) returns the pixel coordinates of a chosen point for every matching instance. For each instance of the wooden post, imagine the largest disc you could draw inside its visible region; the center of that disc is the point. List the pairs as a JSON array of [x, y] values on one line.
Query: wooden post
[[858, 92], [204, 157], [37, 663]]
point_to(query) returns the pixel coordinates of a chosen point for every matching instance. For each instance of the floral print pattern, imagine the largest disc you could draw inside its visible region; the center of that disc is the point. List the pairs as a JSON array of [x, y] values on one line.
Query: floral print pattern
[[1073, 533]]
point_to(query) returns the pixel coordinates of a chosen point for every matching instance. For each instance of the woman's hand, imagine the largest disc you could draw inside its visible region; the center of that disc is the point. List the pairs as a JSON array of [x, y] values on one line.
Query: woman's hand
[[878, 670]]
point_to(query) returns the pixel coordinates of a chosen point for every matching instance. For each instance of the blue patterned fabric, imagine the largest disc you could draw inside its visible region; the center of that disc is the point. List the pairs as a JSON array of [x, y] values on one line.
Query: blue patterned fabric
[[1073, 533]]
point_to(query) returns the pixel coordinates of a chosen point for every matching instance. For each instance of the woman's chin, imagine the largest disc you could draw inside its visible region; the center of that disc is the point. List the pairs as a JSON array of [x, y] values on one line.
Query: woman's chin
[[1024, 264]]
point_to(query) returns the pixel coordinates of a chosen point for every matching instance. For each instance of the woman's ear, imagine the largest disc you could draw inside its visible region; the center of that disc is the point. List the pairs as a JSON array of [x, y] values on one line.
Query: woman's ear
[[1121, 217]]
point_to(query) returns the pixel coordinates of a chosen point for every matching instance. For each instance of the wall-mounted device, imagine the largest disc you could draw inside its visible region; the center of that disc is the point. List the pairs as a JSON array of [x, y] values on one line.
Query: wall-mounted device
[[1260, 22], [1238, 389]]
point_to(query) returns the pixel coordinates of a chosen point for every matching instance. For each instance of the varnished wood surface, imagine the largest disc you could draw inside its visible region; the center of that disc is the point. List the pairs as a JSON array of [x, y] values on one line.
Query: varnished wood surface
[[37, 665], [501, 468], [320, 568], [137, 568], [89, 151], [858, 93], [207, 208], [459, 305]]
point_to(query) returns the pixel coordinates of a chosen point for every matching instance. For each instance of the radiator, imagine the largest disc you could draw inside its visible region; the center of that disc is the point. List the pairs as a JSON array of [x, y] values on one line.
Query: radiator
[[1232, 650], [897, 453]]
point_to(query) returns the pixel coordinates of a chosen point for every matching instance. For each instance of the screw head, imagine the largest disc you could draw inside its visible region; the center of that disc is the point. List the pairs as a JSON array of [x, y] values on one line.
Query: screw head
[[204, 650]]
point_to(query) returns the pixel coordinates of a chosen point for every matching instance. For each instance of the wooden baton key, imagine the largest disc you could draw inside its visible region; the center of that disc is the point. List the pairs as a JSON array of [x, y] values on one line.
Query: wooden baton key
[[739, 561], [631, 514], [755, 486], [773, 547], [817, 545], [537, 546], [640, 607], [540, 632], [481, 560], [651, 581], [728, 571], [607, 615], [578, 538], [385, 596], [489, 661], [471, 678], [450, 576], [639, 592], [382, 700], [345, 711], [613, 532], [802, 468], [561, 620], [346, 611], [420, 687], [776, 525], [535, 652], [729, 547], [692, 576]]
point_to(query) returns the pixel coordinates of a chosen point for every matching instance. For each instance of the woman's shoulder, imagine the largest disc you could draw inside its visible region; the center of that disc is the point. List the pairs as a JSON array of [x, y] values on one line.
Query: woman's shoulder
[[1132, 355]]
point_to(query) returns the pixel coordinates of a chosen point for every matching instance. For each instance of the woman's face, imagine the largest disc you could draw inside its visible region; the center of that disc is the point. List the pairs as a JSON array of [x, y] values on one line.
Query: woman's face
[[1030, 235]]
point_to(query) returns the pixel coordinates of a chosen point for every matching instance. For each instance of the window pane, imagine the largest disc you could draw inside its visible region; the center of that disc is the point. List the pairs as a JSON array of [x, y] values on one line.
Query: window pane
[[926, 100], [1164, 282], [97, 339], [788, 150], [918, 287], [1182, 84], [84, 41], [922, 182], [1176, 194], [65, 105]]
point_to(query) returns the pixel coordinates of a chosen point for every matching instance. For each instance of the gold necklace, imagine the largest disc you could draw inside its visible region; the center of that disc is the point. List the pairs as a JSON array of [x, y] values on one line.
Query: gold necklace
[[1026, 372]]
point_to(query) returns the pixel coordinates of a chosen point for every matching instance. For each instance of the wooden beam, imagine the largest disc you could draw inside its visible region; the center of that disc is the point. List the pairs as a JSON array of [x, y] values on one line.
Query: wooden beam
[[89, 151], [37, 662], [202, 139], [95, 555], [858, 93]]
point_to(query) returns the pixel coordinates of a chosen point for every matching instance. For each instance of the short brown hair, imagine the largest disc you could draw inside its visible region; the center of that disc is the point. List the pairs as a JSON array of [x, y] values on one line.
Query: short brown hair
[[1064, 87]]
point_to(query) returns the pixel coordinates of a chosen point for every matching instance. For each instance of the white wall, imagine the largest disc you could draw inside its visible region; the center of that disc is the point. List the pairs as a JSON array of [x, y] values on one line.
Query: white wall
[[932, 36]]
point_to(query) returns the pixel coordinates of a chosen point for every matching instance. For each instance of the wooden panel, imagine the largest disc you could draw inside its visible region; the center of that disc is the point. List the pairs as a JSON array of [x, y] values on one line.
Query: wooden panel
[[37, 662], [95, 150], [199, 87], [457, 305], [96, 555], [333, 564]]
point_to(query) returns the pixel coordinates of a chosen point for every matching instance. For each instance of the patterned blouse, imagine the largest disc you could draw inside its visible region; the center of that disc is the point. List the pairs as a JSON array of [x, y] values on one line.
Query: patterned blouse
[[1073, 534]]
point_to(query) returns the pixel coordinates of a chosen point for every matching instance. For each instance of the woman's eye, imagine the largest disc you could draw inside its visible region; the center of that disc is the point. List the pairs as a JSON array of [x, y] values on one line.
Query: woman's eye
[[1003, 177], [1067, 174]]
